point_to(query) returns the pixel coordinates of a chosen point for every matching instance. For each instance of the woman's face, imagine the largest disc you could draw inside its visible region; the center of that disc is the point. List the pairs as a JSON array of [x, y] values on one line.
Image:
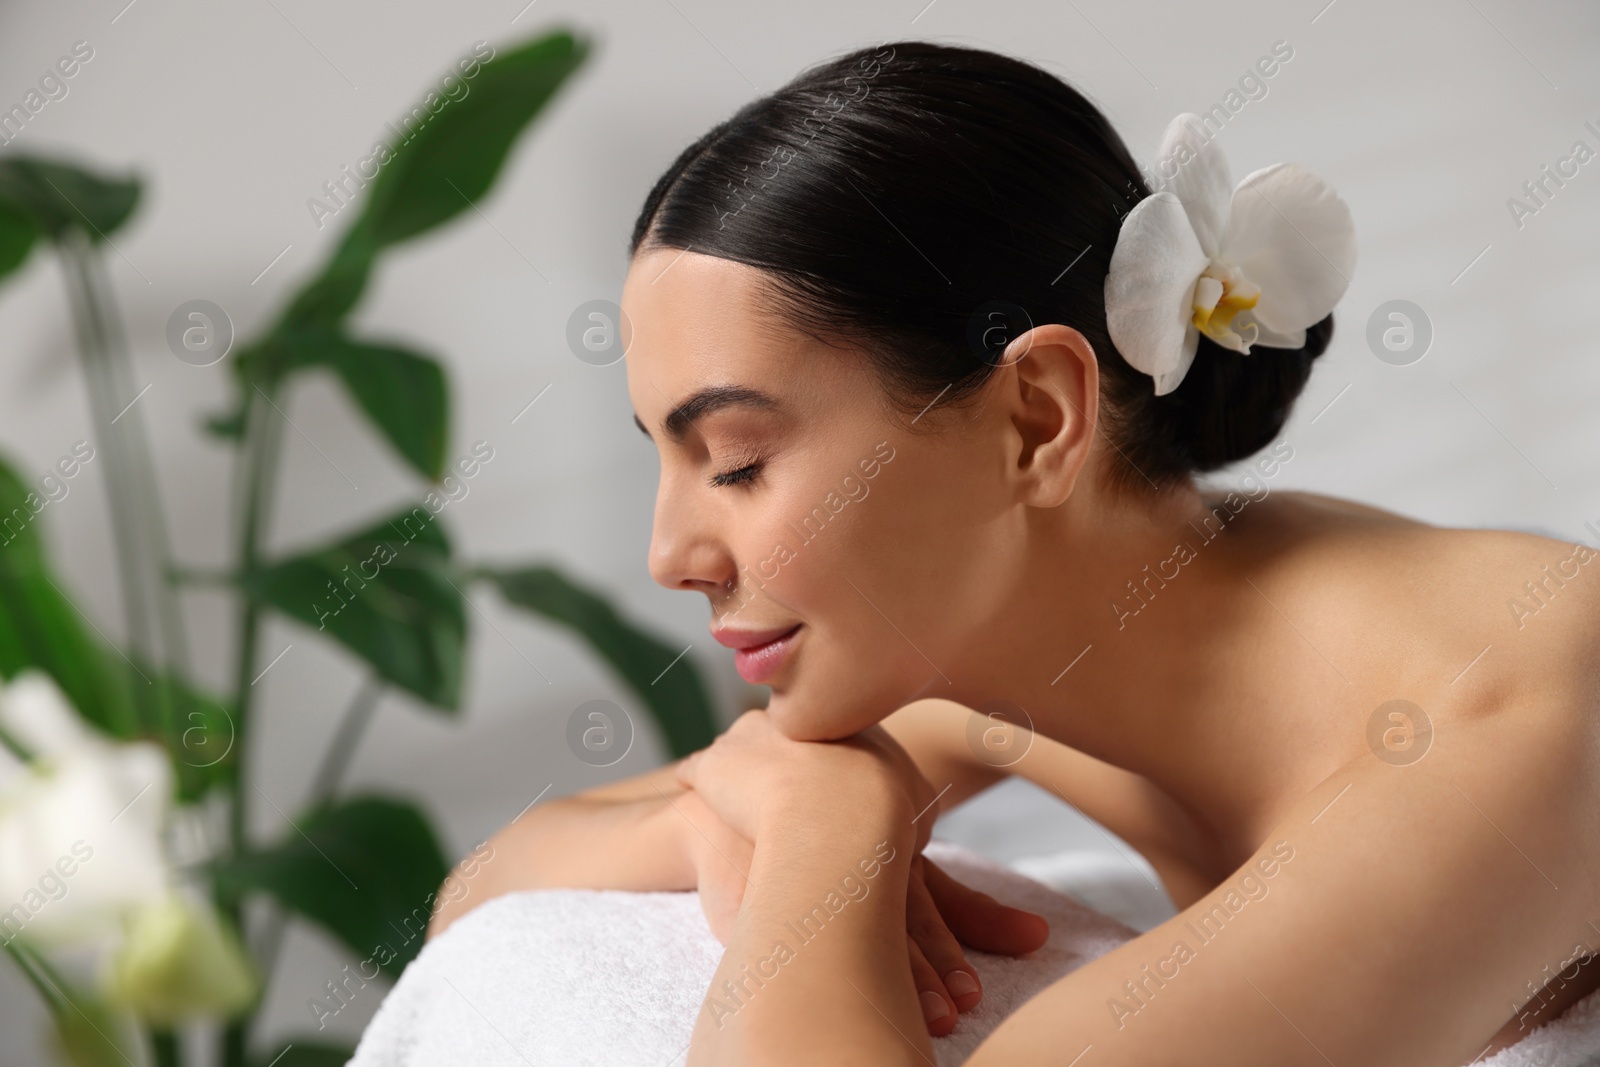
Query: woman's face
[[793, 498]]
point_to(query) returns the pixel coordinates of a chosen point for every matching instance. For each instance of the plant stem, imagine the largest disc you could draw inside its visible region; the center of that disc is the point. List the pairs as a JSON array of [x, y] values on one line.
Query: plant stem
[[256, 467], [165, 1045], [255, 493], [15, 747], [147, 494], [343, 746], [200, 576], [144, 553], [48, 992], [93, 349]]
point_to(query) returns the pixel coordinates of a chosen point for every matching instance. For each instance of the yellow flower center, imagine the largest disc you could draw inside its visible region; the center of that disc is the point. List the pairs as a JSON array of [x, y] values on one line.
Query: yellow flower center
[[1221, 292]]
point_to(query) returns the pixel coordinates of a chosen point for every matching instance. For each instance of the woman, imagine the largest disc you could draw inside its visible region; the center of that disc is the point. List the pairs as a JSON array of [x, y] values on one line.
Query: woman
[[932, 371]]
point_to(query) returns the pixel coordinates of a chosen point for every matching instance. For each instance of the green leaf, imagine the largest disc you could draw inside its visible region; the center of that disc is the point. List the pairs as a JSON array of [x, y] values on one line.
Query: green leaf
[[301, 1053], [60, 195], [404, 394], [444, 166], [16, 236], [363, 869], [665, 679], [387, 594], [454, 158], [202, 742], [40, 627], [327, 298]]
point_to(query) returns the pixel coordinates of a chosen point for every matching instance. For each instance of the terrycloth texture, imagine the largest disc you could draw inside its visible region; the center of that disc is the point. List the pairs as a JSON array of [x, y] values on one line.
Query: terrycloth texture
[[580, 978]]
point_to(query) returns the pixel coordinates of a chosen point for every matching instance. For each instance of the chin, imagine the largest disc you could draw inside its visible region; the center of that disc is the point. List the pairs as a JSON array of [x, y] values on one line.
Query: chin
[[797, 725], [806, 719]]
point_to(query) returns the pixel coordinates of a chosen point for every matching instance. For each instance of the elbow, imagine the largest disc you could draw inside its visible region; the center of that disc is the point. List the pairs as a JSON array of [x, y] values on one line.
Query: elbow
[[443, 914], [462, 890], [447, 907]]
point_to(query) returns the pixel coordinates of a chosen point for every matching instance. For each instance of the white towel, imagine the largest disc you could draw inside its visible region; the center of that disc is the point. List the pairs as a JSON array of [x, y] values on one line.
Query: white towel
[[585, 978]]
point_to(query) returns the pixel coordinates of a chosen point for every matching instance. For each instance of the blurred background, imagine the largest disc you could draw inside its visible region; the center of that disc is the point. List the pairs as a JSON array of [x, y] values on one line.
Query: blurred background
[[1461, 388]]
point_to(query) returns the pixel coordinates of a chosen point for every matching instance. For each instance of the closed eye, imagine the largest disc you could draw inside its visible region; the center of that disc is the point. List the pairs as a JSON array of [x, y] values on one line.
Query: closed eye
[[736, 476]]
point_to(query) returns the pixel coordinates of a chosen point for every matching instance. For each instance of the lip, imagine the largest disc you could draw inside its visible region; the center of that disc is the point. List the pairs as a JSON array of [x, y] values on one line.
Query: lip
[[758, 654]]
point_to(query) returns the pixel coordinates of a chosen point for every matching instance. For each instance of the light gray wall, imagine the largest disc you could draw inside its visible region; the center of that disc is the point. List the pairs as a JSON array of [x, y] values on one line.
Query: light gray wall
[[1426, 116]]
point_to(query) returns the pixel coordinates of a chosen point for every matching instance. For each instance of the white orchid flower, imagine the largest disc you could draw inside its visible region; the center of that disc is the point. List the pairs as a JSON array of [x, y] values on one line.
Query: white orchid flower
[[81, 825], [1249, 265]]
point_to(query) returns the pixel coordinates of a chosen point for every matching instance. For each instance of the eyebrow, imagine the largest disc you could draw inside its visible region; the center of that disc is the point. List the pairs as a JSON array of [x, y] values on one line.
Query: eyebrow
[[683, 417]]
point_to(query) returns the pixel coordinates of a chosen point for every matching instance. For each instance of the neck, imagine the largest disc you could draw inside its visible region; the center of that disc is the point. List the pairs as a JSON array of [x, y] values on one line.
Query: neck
[[1116, 637]]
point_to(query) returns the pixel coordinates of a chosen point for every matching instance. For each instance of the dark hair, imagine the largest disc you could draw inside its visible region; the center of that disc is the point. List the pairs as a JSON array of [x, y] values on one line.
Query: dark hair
[[914, 195]]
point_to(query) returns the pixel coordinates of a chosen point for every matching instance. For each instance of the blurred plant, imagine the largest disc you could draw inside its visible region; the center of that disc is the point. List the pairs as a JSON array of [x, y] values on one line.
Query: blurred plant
[[177, 956]]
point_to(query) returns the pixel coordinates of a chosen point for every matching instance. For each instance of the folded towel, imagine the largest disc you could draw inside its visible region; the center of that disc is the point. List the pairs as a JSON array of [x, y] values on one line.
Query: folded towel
[[586, 978]]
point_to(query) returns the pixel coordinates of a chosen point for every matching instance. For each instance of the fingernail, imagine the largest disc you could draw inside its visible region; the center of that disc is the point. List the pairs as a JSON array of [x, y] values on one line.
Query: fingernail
[[960, 983], [933, 1006]]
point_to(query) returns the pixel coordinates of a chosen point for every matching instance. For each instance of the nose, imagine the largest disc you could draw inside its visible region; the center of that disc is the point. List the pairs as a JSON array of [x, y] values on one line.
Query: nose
[[685, 550]]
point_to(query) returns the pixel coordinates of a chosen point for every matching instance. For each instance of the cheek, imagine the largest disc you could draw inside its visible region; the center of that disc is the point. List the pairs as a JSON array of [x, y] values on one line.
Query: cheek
[[926, 542], [939, 553], [804, 544], [873, 583], [788, 537]]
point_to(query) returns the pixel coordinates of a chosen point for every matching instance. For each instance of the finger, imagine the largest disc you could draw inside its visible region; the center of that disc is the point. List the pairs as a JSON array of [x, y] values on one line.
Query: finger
[[937, 1010], [939, 947], [979, 921]]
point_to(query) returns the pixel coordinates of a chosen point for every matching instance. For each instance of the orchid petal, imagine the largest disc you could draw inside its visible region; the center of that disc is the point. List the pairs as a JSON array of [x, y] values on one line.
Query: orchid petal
[[1150, 286], [1166, 383], [1202, 180], [1289, 232], [1269, 338], [1231, 340]]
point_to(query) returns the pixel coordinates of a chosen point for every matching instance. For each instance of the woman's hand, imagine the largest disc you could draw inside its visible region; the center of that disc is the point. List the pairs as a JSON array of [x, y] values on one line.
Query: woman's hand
[[752, 768], [941, 916], [752, 764]]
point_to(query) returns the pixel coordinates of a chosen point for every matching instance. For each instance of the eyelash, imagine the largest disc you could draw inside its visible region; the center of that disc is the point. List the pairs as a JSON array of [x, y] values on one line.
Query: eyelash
[[737, 476]]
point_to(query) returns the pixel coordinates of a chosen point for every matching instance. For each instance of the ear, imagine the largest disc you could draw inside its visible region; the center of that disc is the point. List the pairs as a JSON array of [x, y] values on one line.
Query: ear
[[1051, 387]]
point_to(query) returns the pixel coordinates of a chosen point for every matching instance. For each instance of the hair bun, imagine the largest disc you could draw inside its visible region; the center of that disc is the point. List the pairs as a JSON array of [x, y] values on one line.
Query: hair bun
[[1230, 406]]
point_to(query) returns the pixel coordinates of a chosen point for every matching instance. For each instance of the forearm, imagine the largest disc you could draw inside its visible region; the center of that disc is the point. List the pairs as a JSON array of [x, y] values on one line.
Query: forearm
[[575, 842], [820, 935]]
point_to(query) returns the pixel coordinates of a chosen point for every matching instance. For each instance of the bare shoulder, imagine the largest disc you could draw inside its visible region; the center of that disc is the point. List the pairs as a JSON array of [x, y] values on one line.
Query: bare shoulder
[[1473, 555], [1331, 506], [1533, 600], [1394, 915]]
